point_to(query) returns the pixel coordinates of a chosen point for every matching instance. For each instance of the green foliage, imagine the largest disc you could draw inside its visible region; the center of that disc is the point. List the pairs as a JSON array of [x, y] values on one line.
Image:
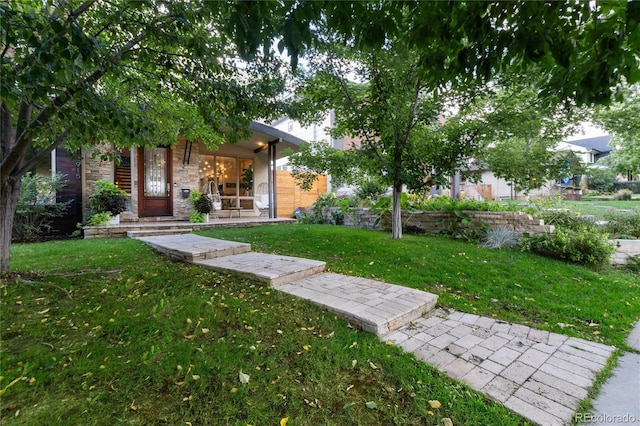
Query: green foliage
[[368, 191], [448, 204], [499, 237], [601, 179], [37, 207], [623, 195], [621, 119], [107, 197], [621, 224], [566, 219], [196, 217], [99, 219], [317, 216], [311, 160], [464, 227], [201, 203], [633, 264], [582, 245]]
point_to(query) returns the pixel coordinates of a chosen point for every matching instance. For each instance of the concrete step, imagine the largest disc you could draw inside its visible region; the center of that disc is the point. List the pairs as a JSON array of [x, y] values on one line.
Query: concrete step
[[193, 248], [269, 268], [374, 306], [158, 232]]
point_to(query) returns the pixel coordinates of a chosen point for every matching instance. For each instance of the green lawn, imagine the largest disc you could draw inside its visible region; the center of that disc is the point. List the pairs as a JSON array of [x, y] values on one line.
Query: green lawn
[[107, 332], [104, 332], [600, 209], [508, 284]]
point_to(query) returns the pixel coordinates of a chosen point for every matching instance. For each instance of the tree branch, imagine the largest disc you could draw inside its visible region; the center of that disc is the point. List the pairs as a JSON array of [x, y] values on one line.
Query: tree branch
[[43, 153]]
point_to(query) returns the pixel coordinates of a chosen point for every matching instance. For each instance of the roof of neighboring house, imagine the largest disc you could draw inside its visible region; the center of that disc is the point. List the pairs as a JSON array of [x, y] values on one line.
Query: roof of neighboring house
[[598, 143]]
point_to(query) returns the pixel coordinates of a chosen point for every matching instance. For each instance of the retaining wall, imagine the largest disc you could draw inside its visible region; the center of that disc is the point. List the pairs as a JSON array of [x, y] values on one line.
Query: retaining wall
[[436, 221]]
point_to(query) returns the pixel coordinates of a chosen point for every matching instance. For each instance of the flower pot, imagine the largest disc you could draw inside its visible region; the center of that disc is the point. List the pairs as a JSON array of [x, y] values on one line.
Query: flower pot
[[115, 220]]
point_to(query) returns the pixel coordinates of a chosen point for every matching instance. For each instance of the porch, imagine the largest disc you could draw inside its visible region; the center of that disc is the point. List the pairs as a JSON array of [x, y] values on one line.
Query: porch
[[169, 227]]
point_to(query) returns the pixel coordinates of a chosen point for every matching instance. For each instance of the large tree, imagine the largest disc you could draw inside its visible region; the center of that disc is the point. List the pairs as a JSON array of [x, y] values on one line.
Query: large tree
[[520, 143], [388, 106], [622, 120], [119, 73]]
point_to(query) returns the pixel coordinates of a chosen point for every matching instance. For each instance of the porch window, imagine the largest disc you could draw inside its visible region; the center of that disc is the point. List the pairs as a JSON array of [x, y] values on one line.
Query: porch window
[[233, 177]]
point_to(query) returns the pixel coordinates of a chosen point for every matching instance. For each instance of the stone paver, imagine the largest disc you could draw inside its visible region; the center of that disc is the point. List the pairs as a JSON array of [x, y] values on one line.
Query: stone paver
[[269, 268], [540, 375], [366, 307], [191, 247]]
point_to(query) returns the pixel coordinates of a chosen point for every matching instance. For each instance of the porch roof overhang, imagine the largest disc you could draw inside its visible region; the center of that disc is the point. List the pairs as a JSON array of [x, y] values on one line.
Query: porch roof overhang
[[264, 134]]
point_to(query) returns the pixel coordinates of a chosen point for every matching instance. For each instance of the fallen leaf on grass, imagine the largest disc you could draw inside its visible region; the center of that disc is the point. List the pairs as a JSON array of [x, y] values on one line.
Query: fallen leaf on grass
[[435, 404], [371, 405], [447, 421], [244, 378], [372, 365], [283, 421]]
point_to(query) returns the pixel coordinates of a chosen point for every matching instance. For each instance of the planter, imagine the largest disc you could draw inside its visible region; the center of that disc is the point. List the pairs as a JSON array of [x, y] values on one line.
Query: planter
[[115, 220]]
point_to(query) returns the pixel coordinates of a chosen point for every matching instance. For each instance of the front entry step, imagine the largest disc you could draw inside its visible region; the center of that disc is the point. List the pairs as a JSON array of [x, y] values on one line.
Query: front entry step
[[158, 232], [191, 248], [269, 268], [374, 306]]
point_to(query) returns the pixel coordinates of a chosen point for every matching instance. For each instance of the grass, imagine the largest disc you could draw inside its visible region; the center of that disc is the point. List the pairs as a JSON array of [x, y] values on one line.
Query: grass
[[599, 209], [511, 285], [103, 332]]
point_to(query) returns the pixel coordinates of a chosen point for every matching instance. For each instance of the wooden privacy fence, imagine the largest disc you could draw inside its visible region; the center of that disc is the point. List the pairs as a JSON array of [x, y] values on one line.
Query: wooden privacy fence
[[290, 196]]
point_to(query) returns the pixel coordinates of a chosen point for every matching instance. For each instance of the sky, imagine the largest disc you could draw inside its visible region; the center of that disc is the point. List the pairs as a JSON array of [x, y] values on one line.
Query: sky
[[589, 130]]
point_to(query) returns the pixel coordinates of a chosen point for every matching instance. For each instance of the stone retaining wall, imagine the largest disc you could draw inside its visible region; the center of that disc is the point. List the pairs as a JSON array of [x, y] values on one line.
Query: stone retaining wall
[[437, 221]]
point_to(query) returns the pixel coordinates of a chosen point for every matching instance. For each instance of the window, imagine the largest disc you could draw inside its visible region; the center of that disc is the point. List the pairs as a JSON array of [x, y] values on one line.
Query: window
[[229, 173], [123, 171]]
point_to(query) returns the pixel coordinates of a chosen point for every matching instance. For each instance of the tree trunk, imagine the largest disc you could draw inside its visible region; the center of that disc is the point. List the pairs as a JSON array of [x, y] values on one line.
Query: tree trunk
[[396, 212], [9, 194]]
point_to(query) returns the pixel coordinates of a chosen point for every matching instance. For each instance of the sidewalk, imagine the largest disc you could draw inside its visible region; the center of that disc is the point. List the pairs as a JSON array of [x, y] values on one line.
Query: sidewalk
[[619, 400], [540, 375]]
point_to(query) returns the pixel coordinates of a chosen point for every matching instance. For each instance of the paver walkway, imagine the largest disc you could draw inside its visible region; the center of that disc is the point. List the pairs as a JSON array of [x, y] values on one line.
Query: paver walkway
[[539, 375]]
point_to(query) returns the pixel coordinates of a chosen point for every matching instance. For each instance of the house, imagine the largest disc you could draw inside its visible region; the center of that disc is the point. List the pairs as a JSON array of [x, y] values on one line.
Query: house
[[160, 179], [588, 150]]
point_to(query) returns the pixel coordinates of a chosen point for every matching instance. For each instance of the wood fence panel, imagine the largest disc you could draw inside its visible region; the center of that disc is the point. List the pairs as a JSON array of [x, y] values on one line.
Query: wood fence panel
[[291, 197]]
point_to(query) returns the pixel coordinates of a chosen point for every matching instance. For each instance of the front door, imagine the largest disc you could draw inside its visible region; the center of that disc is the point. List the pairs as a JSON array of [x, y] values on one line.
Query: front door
[[154, 177]]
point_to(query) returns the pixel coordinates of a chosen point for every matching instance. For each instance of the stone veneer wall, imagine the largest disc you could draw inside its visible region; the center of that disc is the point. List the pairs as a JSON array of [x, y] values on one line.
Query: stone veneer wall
[[436, 221], [185, 176]]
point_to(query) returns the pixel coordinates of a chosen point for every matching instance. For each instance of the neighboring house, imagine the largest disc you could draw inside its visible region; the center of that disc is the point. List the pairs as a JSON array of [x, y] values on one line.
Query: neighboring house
[[160, 179], [590, 150]]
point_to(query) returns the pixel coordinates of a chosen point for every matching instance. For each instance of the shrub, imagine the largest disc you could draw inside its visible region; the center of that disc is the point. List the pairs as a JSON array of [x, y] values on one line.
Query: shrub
[[497, 238], [369, 191], [620, 223], [98, 219], [565, 219], [601, 179], [448, 204], [108, 198], [37, 206], [633, 264], [201, 203], [581, 246], [196, 217], [623, 195]]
